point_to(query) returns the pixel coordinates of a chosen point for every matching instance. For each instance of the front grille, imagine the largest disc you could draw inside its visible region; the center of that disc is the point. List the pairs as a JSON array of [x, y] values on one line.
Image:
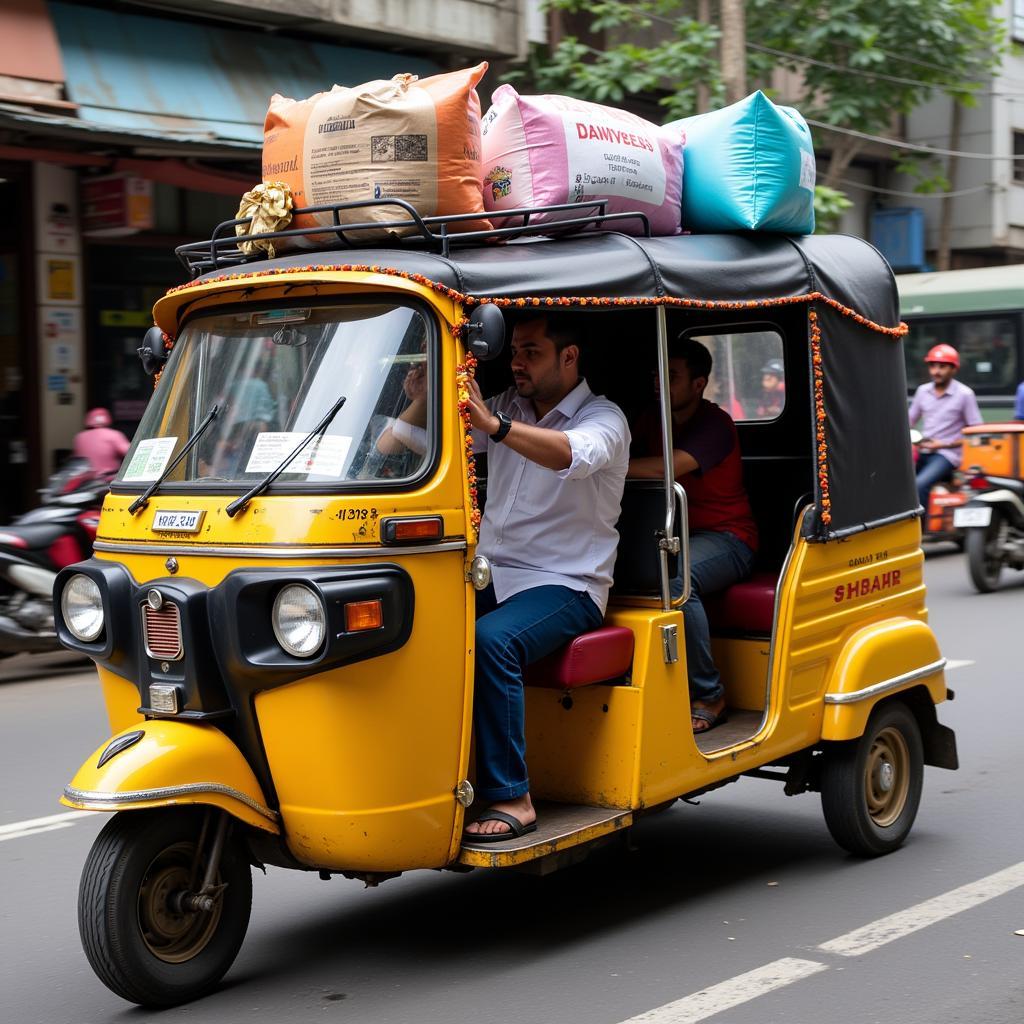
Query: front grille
[[162, 631]]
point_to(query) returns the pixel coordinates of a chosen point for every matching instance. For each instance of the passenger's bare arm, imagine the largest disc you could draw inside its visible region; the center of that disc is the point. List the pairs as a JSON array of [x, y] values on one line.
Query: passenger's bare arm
[[652, 467], [548, 448]]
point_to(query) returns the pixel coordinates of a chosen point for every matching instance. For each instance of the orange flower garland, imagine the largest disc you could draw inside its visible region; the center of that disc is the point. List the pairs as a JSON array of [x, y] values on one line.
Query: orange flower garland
[[464, 373], [548, 301], [819, 417]]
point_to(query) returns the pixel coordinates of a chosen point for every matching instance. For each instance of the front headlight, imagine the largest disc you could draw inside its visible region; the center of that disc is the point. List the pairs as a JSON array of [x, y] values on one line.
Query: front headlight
[[82, 607], [299, 621]]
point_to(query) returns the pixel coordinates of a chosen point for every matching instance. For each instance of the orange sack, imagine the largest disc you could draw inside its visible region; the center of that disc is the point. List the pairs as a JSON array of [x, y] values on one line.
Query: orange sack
[[398, 139]]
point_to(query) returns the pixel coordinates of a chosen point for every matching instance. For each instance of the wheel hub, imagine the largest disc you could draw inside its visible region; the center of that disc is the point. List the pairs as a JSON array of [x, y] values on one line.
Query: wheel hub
[[171, 933], [887, 777]]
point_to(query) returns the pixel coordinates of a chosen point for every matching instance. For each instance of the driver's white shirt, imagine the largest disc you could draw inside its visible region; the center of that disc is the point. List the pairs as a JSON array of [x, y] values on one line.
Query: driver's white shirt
[[545, 527]]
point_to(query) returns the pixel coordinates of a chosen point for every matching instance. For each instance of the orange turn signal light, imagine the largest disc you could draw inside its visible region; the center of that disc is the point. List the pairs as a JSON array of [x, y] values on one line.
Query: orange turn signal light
[[363, 615], [408, 531]]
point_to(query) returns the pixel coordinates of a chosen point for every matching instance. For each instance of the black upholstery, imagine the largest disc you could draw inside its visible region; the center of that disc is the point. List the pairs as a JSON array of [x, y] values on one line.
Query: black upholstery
[[637, 564]]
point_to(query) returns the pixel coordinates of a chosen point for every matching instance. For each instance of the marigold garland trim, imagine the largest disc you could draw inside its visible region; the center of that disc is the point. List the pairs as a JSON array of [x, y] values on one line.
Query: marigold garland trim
[[464, 374], [820, 417], [548, 301]]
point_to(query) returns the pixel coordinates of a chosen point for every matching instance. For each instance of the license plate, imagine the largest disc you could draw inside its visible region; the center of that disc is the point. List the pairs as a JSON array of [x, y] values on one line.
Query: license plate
[[177, 522], [972, 517]]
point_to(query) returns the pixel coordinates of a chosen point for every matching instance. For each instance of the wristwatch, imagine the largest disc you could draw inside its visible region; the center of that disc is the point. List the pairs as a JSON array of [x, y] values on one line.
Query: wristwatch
[[504, 426]]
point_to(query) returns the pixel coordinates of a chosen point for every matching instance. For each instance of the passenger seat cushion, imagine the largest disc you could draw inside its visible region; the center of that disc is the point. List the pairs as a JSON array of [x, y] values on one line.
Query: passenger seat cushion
[[745, 607], [594, 657]]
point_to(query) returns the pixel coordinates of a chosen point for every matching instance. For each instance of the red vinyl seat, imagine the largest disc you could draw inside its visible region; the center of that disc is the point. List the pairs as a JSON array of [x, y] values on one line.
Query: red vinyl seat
[[746, 607], [594, 657]]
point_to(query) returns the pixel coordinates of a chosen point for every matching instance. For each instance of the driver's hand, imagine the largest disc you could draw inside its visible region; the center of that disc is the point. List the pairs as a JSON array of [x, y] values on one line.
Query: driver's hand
[[480, 416]]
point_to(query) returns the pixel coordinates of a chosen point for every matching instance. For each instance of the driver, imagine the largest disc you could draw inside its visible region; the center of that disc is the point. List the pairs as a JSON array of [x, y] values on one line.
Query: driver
[[945, 406]]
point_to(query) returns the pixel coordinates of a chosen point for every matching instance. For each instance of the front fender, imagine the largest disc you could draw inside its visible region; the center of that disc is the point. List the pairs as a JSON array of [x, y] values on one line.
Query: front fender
[[170, 763], [877, 661]]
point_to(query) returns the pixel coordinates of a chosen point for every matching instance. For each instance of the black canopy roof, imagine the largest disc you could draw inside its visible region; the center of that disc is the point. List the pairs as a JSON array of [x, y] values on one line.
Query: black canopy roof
[[864, 469], [610, 265]]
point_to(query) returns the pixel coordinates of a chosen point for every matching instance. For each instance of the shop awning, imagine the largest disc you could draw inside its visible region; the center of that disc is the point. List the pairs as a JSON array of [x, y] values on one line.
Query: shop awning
[[134, 76]]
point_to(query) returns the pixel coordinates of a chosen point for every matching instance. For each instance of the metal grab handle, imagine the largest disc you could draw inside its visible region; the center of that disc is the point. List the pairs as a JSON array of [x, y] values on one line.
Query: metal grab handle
[[684, 541]]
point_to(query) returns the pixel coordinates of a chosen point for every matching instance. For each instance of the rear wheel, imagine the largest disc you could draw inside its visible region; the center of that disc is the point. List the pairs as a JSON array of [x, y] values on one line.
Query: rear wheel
[[984, 553], [141, 942], [871, 788]]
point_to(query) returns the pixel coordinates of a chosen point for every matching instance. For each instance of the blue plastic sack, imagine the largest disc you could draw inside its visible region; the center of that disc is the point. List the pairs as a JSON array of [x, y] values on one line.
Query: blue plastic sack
[[749, 167]]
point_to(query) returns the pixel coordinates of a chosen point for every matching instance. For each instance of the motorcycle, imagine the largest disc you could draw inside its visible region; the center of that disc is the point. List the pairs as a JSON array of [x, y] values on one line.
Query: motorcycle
[[993, 519], [36, 546]]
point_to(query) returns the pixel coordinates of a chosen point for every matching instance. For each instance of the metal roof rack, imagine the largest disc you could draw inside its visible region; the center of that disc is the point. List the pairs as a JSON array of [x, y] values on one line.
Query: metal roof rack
[[431, 233]]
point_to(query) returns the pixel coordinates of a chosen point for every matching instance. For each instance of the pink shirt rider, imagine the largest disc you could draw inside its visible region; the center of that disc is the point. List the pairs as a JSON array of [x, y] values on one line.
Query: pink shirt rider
[[104, 447]]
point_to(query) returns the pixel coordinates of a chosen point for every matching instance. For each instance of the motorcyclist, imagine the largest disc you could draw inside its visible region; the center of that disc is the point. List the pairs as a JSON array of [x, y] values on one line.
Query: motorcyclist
[[945, 406], [773, 389], [103, 446]]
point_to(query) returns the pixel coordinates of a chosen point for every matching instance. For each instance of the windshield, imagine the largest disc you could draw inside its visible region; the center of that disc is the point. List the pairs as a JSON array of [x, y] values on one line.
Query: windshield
[[273, 375]]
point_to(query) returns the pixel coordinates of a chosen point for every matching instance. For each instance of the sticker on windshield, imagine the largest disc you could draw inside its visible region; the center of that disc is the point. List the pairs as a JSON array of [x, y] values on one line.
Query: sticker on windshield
[[323, 456], [149, 458]]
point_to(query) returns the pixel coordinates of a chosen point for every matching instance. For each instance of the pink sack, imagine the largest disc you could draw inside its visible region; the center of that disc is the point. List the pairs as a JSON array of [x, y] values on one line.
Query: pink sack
[[546, 150]]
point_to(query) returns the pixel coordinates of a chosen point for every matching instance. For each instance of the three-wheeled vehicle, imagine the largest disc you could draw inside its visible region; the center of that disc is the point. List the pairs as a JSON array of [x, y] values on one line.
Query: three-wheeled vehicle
[[281, 601]]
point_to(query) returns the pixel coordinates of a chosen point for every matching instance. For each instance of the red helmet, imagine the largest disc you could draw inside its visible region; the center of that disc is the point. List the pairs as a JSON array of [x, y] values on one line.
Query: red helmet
[[943, 354], [97, 418]]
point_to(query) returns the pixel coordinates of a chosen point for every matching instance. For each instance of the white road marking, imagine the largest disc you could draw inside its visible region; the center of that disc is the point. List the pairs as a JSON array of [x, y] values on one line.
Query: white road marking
[[952, 663], [17, 829], [733, 992], [35, 831], [896, 926]]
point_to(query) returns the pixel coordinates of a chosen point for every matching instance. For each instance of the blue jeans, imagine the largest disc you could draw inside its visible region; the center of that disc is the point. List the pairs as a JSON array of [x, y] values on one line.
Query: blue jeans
[[510, 636], [717, 561], [932, 468]]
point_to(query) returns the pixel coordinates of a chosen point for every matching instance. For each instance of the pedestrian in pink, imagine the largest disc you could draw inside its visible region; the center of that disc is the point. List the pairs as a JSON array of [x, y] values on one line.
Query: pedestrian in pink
[[103, 446]]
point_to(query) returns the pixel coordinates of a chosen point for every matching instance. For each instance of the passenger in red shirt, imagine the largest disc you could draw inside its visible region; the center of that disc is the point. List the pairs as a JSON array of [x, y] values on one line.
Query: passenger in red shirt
[[723, 534]]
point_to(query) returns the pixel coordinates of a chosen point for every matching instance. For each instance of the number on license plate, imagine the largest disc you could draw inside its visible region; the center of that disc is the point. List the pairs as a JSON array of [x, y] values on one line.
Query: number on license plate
[[972, 516], [177, 522]]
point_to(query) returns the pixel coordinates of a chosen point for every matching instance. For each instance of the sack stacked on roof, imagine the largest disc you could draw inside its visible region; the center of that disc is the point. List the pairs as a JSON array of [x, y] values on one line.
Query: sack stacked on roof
[[411, 139], [749, 167], [547, 150]]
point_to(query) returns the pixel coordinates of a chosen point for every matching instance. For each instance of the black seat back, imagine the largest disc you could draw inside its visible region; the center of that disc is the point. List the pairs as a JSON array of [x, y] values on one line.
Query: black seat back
[[637, 564]]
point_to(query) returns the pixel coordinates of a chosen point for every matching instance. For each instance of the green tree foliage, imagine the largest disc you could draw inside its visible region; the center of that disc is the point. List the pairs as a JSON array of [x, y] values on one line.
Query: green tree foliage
[[862, 62]]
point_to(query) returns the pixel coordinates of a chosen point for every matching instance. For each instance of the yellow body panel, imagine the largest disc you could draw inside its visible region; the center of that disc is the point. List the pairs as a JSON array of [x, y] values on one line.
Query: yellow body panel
[[174, 763], [121, 697], [366, 759]]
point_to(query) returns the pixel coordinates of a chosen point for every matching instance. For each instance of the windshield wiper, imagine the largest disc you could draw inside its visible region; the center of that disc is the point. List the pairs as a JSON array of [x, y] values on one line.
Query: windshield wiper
[[239, 503], [143, 499]]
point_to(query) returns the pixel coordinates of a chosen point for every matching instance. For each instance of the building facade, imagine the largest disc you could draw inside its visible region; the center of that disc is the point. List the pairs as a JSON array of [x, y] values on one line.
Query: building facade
[[129, 127]]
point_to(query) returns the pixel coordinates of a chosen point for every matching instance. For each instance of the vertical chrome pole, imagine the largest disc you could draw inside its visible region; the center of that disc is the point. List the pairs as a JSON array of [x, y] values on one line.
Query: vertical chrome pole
[[669, 543]]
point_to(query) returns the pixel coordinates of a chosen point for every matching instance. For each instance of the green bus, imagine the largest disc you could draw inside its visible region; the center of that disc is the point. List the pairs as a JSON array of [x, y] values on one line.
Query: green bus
[[981, 314]]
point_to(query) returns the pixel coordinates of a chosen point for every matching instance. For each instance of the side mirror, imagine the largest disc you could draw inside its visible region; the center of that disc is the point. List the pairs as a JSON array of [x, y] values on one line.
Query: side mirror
[[151, 352], [485, 332]]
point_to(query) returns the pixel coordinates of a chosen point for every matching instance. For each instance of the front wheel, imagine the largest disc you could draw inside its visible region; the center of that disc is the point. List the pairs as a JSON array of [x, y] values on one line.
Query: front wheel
[[141, 941], [985, 554], [871, 788]]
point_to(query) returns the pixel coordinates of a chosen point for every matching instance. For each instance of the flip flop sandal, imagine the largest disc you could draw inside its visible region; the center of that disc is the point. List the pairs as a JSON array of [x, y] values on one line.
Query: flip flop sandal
[[517, 829], [707, 715]]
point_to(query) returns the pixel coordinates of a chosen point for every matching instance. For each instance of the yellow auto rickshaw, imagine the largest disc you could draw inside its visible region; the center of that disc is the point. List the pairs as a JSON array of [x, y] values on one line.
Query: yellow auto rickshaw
[[281, 601]]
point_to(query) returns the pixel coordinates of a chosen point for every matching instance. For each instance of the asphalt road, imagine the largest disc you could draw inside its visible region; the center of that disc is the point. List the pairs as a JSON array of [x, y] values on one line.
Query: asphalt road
[[719, 913]]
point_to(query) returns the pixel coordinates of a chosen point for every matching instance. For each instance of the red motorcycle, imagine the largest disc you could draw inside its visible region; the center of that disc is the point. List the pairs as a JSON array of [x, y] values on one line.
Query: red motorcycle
[[36, 546]]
